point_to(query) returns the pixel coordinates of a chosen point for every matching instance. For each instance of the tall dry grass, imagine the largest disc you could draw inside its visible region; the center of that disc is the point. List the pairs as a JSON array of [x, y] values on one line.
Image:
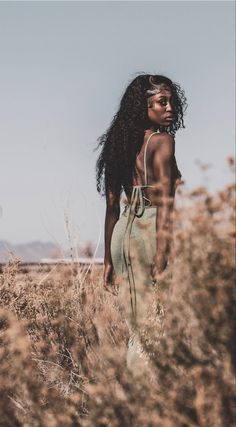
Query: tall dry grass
[[63, 338]]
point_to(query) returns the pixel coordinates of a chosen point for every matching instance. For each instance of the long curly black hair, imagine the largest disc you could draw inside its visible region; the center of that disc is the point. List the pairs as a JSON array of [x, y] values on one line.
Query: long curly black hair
[[115, 166]]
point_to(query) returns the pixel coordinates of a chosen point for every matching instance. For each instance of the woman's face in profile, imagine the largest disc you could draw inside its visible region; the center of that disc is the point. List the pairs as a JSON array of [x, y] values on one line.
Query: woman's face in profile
[[160, 110]]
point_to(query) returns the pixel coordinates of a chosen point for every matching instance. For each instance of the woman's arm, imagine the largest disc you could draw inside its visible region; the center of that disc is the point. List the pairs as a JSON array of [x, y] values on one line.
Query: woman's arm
[[162, 165], [111, 217]]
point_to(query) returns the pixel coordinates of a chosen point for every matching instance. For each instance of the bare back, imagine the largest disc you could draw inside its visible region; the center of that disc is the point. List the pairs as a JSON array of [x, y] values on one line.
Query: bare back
[[151, 193]]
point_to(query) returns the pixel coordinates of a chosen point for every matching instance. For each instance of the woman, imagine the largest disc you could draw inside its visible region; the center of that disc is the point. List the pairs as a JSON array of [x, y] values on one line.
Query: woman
[[138, 156]]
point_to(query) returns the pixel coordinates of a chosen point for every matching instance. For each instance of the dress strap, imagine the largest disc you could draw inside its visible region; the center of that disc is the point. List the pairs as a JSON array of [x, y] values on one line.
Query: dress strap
[[145, 153]]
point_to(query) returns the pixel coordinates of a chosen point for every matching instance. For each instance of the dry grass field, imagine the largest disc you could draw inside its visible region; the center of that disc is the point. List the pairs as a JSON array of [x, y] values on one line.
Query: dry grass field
[[63, 338]]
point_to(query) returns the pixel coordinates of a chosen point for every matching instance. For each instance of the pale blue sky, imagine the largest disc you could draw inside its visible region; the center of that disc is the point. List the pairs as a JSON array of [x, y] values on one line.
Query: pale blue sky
[[63, 69]]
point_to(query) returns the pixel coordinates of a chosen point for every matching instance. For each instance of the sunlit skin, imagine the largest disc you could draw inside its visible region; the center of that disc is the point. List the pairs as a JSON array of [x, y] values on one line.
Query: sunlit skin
[[159, 107], [159, 111]]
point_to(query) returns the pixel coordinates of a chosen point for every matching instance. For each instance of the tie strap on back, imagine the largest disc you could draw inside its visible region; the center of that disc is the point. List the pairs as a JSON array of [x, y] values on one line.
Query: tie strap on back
[[136, 208]]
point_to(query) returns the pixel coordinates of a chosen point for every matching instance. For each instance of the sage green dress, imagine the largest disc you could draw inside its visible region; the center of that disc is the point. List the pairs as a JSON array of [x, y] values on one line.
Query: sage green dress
[[133, 246]]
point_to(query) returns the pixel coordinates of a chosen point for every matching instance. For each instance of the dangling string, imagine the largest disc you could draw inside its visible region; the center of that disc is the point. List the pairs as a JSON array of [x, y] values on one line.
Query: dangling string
[[136, 208]]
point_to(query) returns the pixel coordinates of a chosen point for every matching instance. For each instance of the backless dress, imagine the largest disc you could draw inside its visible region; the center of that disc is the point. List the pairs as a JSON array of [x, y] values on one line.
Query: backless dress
[[133, 246]]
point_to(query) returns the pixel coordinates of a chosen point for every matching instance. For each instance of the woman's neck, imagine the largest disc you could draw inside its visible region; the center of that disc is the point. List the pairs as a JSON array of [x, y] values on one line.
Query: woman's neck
[[152, 128]]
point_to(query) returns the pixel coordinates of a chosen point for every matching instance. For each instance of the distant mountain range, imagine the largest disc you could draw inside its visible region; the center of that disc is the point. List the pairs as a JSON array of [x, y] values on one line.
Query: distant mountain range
[[35, 250]]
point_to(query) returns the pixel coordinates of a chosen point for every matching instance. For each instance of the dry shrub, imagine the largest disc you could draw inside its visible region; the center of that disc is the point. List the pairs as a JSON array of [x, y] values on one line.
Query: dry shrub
[[63, 339]]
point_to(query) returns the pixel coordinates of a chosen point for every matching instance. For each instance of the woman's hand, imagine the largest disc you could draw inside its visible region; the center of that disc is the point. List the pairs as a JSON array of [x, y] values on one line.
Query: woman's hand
[[157, 273], [109, 279]]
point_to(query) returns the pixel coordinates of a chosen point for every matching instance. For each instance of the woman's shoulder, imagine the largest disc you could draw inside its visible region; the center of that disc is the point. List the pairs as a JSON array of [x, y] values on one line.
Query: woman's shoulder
[[167, 142], [164, 137], [163, 142]]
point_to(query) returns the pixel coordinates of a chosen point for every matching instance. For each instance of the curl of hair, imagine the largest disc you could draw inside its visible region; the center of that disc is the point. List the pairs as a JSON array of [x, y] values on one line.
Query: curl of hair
[[122, 141]]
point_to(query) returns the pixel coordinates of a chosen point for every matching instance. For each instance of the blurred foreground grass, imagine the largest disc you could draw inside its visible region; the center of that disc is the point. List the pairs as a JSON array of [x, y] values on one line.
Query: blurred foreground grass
[[63, 338]]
